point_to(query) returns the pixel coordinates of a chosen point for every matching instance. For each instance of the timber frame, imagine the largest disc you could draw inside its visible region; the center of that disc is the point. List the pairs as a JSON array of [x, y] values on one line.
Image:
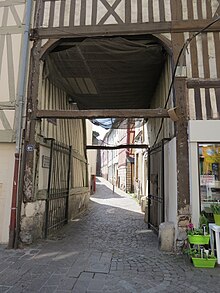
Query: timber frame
[[11, 31], [131, 29], [176, 26], [92, 114]]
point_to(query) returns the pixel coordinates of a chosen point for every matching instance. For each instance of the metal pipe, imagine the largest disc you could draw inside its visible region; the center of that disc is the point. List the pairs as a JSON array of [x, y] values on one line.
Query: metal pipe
[[149, 189], [113, 186], [163, 181], [19, 121], [23, 74]]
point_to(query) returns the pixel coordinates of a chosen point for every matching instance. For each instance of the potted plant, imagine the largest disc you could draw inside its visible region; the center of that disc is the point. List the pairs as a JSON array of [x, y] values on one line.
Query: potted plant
[[215, 208], [201, 258], [198, 236]]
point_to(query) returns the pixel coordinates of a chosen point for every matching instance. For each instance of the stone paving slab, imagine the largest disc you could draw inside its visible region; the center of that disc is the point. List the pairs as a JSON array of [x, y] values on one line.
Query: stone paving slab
[[107, 249]]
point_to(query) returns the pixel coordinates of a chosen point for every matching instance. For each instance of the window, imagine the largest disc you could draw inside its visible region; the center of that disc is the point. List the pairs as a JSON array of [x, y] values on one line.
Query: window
[[209, 170]]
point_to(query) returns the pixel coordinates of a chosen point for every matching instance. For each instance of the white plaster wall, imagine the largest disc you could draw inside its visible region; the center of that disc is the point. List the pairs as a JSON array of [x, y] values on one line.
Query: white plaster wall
[[194, 182], [43, 172], [144, 162], [91, 154], [204, 131], [170, 181], [122, 175], [199, 132], [7, 151]]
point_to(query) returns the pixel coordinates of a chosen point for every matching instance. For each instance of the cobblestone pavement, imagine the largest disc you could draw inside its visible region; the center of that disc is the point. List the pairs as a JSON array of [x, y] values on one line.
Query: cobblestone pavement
[[108, 249]]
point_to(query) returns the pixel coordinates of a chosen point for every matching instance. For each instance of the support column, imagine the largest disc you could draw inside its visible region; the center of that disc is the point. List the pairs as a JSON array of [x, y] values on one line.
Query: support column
[[30, 143], [183, 189]]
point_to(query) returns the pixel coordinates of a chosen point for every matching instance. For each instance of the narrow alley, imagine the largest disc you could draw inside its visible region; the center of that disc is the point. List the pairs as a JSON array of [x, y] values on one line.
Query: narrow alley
[[107, 249]]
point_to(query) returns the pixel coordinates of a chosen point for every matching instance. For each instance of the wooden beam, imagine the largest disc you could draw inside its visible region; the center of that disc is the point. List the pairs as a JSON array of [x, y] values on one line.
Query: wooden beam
[[122, 146], [203, 83], [119, 29], [107, 113]]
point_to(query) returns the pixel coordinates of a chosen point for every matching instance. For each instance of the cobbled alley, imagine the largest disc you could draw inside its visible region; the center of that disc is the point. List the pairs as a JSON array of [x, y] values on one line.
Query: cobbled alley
[[107, 249]]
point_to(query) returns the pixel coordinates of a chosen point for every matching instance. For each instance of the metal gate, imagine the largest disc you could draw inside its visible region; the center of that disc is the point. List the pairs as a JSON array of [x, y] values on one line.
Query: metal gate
[[156, 186], [58, 187]]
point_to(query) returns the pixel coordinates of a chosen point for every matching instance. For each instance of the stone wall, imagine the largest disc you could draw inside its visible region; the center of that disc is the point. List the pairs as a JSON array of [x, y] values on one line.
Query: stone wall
[[33, 214], [32, 221]]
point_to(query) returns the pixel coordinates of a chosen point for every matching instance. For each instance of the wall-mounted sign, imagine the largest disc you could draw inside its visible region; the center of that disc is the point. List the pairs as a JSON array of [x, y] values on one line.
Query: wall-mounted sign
[[30, 148], [45, 162]]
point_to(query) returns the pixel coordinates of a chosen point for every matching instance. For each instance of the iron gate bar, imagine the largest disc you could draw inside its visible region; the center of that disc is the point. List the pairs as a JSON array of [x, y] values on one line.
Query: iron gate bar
[[58, 187], [162, 181], [68, 183], [48, 190]]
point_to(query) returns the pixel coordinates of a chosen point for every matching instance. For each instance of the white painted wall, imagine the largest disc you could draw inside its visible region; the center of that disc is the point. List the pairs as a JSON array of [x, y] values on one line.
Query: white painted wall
[[91, 154], [194, 182], [43, 171], [199, 132], [170, 181], [7, 151], [204, 131]]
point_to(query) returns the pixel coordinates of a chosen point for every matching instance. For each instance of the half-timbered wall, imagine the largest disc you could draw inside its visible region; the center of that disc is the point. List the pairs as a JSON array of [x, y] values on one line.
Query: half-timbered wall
[[172, 21], [203, 71], [69, 132], [11, 31], [159, 100], [70, 13]]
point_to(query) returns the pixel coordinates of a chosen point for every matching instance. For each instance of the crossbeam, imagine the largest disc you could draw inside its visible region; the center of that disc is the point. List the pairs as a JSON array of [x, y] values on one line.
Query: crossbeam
[[109, 113], [121, 146], [122, 29]]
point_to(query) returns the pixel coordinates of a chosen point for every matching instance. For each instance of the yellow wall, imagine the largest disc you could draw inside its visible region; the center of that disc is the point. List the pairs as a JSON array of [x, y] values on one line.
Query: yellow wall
[[6, 168]]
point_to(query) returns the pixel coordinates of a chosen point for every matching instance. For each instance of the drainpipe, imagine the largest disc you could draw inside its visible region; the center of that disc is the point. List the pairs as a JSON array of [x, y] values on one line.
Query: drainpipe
[[19, 122]]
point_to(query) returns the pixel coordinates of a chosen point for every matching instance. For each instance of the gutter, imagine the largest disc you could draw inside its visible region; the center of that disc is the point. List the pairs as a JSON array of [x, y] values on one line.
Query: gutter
[[19, 122]]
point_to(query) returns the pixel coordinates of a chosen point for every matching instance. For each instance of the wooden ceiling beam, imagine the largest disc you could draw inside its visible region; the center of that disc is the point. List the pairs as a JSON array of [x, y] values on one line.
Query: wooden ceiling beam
[[103, 113], [121, 146]]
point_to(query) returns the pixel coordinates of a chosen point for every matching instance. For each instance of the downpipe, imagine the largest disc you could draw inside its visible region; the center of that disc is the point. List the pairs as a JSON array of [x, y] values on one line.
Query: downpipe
[[13, 227]]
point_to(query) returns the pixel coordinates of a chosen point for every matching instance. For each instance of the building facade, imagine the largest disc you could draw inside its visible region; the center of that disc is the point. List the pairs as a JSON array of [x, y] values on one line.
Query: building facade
[[189, 81], [117, 165], [12, 28]]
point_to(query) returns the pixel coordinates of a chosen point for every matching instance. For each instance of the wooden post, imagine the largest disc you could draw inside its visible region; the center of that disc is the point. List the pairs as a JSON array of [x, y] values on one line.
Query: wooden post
[[182, 146], [30, 143], [183, 189]]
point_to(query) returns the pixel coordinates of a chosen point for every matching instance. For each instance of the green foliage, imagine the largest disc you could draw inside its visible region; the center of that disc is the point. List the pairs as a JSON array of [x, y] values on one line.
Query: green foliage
[[195, 231], [191, 252], [212, 255], [203, 227], [203, 221], [215, 208]]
